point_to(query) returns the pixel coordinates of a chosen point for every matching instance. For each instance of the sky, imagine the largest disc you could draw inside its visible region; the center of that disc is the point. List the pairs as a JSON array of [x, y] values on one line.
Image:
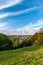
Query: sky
[[17, 14]]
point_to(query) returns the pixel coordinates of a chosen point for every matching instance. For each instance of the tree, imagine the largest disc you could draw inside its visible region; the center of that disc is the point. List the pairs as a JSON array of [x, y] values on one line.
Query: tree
[[5, 42]]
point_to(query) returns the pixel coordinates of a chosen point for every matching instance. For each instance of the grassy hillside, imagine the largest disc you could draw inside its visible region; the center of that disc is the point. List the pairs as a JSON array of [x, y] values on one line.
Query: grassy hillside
[[24, 56]]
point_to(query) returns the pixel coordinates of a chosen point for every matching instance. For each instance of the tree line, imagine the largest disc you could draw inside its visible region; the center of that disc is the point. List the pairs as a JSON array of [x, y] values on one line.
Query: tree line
[[7, 43]]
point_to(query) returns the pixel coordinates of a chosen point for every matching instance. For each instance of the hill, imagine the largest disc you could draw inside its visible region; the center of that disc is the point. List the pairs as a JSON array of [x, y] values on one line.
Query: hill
[[23, 56], [37, 38]]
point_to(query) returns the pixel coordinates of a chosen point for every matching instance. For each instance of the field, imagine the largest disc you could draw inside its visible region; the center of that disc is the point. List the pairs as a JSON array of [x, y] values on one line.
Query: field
[[24, 56]]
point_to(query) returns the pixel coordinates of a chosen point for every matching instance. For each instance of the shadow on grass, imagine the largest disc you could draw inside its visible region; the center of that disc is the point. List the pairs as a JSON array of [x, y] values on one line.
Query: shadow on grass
[[30, 48]]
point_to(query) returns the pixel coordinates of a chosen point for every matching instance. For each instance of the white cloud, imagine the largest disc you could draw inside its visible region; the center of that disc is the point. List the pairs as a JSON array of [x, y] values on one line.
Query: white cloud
[[32, 27], [36, 26], [3, 25], [23, 11], [18, 12], [38, 23], [8, 3], [27, 30], [3, 15]]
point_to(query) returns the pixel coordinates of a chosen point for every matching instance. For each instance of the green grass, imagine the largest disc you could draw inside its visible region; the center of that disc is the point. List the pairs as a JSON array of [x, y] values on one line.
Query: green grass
[[23, 56]]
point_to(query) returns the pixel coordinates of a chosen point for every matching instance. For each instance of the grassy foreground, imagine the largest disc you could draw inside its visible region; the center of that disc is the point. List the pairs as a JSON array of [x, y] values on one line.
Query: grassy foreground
[[24, 56]]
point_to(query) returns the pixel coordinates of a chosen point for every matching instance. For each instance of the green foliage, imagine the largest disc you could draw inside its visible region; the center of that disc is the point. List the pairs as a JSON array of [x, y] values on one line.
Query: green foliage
[[5, 42], [25, 43], [36, 43], [37, 39], [16, 43]]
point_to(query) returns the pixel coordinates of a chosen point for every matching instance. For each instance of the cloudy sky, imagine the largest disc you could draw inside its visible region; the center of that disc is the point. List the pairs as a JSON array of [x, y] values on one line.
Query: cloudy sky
[[16, 14]]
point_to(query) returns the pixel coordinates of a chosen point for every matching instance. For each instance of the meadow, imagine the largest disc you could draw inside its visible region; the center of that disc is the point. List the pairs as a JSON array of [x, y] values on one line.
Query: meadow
[[32, 55]]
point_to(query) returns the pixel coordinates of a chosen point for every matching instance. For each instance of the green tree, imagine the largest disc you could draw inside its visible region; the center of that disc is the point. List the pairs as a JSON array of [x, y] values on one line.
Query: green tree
[[5, 42]]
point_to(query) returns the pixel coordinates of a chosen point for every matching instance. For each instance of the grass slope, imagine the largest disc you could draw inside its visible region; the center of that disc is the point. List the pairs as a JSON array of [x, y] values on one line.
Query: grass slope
[[24, 56]]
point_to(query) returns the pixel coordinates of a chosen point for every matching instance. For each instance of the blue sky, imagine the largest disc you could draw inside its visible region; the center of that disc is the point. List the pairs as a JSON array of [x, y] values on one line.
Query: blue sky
[[16, 14]]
